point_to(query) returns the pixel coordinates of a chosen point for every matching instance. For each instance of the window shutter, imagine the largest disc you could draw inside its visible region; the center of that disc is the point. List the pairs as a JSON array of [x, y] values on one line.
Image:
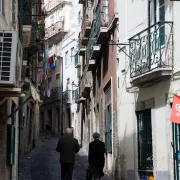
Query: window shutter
[[10, 155], [109, 130]]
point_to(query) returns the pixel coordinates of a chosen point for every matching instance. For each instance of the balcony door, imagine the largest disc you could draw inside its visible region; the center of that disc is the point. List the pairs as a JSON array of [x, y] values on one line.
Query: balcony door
[[156, 33]]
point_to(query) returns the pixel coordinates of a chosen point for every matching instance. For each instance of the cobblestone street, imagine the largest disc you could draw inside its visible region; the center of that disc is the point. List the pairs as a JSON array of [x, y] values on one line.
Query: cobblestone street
[[43, 163]]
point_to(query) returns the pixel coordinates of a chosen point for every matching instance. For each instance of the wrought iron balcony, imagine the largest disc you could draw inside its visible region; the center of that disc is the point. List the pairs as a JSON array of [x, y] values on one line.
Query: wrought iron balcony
[[92, 48], [151, 54], [85, 84], [82, 50], [52, 5], [77, 61], [54, 29], [102, 21], [52, 95], [77, 96], [67, 97]]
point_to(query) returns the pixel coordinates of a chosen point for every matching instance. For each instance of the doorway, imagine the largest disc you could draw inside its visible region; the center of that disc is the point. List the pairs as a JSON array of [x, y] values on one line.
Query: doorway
[[176, 150]]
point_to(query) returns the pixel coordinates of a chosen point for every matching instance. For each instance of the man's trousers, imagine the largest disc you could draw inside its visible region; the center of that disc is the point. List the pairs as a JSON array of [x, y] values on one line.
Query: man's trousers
[[66, 171]]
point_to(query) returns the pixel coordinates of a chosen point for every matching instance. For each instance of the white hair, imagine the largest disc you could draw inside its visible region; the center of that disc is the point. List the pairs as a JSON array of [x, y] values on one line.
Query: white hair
[[69, 131]]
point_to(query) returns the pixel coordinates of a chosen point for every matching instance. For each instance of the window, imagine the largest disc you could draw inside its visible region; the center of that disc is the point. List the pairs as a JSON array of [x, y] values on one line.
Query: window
[[52, 20], [66, 58], [58, 80], [72, 54], [162, 19], [73, 96], [11, 137], [49, 83], [79, 17], [68, 80], [144, 128], [2, 7], [108, 119], [105, 11]]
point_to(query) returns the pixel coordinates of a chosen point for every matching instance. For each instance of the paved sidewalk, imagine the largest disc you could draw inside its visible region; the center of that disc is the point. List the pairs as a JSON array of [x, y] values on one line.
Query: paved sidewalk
[[43, 163]]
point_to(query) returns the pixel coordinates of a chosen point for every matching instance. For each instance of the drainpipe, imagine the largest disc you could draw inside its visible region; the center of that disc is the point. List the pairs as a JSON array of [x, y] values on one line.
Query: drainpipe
[[149, 33], [62, 108]]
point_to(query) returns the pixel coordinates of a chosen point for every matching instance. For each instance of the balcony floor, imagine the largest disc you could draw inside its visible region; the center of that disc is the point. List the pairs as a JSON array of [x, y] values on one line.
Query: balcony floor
[[152, 77], [82, 51], [102, 35], [96, 50], [91, 65]]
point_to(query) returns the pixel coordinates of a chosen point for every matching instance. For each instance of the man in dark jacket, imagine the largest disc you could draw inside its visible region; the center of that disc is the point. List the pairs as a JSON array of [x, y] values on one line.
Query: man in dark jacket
[[96, 156], [68, 147]]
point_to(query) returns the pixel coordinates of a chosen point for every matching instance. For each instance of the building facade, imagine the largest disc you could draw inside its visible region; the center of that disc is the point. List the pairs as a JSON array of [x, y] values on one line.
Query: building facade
[[98, 87], [70, 76], [32, 33], [59, 22], [148, 64], [9, 89]]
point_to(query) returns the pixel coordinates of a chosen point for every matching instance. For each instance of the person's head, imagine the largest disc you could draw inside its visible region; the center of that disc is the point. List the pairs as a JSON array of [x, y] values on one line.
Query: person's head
[[69, 131], [96, 135]]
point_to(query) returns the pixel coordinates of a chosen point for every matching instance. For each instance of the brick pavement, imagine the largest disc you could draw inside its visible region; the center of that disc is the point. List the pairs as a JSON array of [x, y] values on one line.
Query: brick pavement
[[43, 163]]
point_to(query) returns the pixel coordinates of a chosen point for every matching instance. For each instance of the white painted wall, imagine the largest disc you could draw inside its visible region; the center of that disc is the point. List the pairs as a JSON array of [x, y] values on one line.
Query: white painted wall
[[133, 19], [65, 11], [69, 71], [6, 24]]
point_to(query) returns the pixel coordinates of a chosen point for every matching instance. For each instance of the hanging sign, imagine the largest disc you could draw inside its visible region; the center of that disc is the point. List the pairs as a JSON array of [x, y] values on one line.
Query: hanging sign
[[175, 112]]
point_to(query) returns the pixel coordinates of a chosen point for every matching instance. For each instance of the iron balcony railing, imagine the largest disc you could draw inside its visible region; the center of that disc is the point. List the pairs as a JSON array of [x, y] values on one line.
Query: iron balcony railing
[[27, 12], [67, 97], [151, 49], [86, 22], [52, 4], [91, 41], [54, 29], [76, 59], [102, 15], [85, 82], [52, 95], [76, 95]]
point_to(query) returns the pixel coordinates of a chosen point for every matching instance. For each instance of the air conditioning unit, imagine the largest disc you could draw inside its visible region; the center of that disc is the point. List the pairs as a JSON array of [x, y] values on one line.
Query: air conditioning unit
[[10, 59]]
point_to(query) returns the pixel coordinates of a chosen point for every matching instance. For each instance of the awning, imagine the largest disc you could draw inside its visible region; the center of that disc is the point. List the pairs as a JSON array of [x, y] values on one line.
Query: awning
[[10, 92], [34, 92]]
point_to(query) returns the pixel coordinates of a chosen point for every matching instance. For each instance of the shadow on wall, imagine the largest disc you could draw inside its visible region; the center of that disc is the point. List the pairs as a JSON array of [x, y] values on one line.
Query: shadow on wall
[[126, 151]]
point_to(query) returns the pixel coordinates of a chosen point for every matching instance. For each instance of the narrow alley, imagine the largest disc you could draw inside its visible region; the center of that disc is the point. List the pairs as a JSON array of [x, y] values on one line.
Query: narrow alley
[[43, 163]]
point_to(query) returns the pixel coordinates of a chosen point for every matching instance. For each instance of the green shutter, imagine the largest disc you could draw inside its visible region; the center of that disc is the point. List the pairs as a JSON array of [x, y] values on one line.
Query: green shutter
[[108, 134], [10, 152]]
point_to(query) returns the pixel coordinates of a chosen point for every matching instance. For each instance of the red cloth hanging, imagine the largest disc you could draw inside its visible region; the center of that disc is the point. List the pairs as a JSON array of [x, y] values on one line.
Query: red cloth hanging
[[50, 59]]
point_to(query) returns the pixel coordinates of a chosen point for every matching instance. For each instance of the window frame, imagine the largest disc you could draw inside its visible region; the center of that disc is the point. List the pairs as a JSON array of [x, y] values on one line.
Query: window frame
[[66, 58], [146, 141], [58, 80], [72, 54]]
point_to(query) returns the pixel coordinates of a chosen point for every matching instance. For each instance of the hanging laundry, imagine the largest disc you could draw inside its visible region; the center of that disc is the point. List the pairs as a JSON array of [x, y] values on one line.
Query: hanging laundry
[[50, 59], [52, 65]]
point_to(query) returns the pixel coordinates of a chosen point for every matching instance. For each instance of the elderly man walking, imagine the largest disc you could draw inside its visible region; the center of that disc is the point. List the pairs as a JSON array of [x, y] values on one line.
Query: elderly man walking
[[96, 157], [68, 147]]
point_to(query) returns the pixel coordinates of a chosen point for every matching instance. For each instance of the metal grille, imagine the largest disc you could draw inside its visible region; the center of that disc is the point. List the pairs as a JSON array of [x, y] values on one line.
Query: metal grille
[[176, 150], [145, 154], [5, 55]]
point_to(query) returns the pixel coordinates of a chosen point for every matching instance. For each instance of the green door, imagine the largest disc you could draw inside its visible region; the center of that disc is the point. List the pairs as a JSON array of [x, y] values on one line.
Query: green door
[[176, 150]]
